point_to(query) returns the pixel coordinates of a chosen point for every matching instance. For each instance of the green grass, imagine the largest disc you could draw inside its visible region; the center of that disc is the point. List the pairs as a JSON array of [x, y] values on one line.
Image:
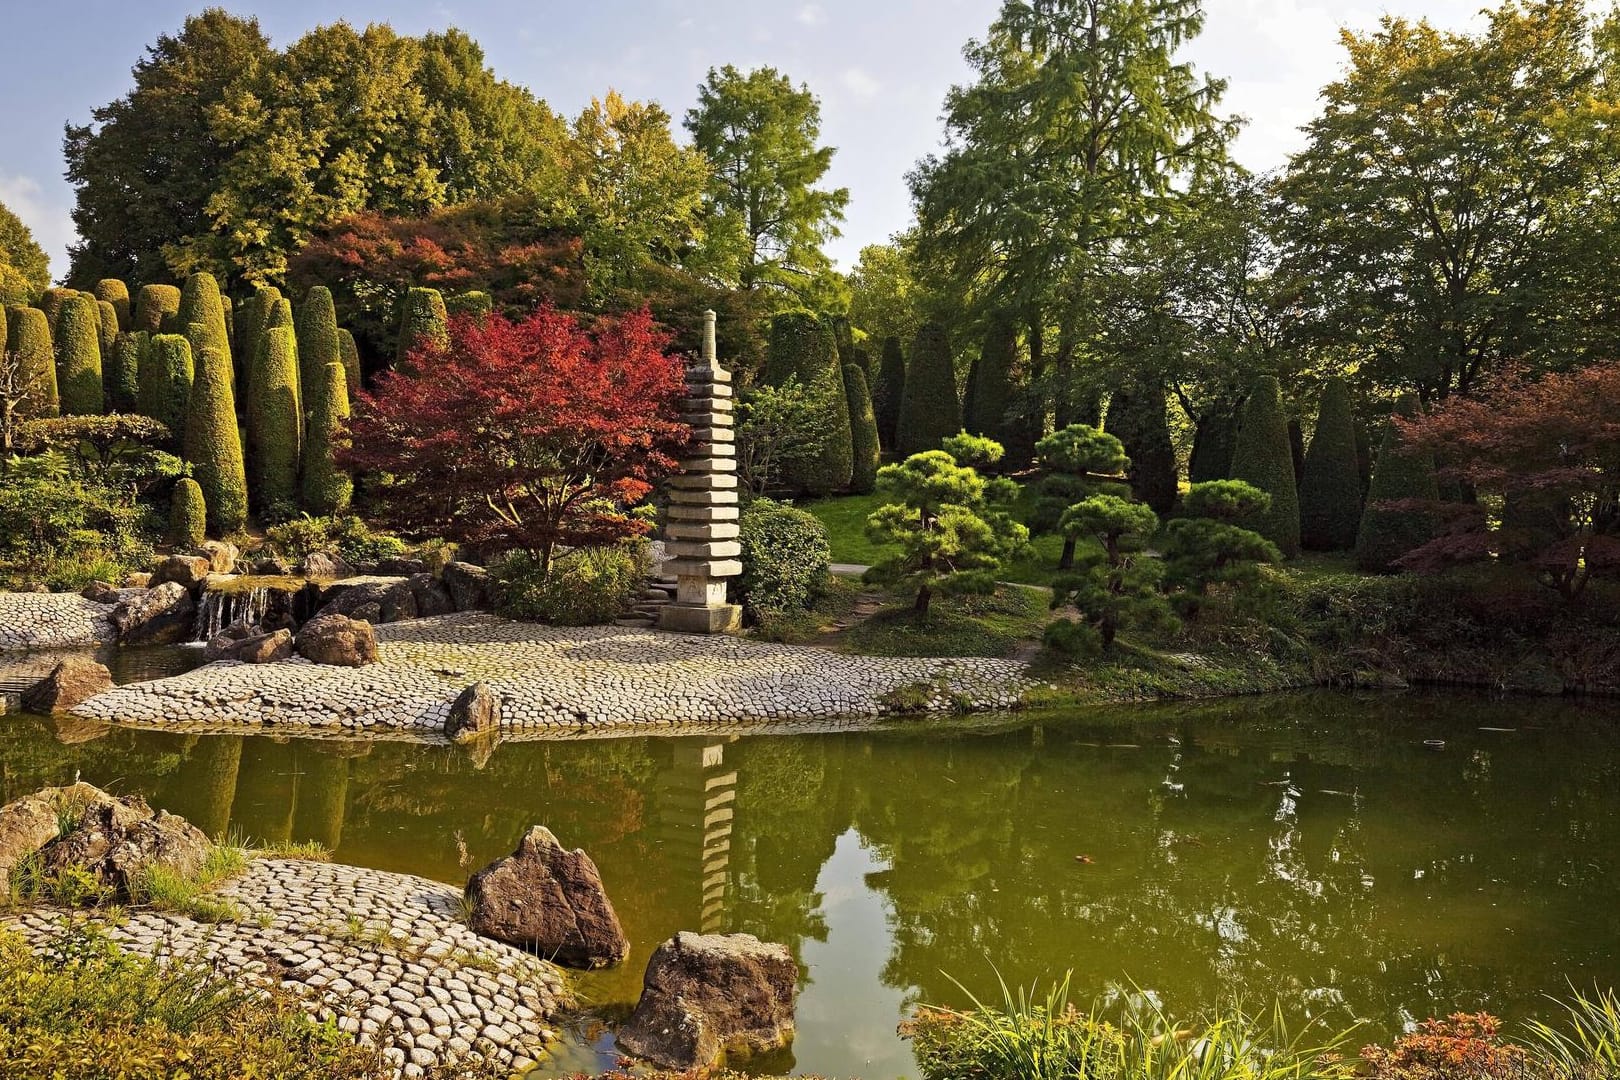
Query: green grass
[[845, 519], [955, 626]]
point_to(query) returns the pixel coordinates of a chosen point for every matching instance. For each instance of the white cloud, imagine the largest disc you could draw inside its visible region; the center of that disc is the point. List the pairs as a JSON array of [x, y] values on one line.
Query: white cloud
[[51, 225], [859, 83], [812, 15]]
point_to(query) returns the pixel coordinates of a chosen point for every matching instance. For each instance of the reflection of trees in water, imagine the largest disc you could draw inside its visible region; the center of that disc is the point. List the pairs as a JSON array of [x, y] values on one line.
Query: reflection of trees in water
[[203, 787]]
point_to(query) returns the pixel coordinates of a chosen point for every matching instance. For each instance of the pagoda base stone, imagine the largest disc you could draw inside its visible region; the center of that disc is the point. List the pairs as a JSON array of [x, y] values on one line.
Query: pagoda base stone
[[700, 618]]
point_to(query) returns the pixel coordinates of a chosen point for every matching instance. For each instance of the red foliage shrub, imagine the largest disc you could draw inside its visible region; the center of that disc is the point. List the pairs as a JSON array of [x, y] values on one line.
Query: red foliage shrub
[[1463, 1047]]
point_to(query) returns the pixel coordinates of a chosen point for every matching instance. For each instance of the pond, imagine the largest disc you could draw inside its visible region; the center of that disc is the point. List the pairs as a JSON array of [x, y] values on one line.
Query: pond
[[1380, 858]]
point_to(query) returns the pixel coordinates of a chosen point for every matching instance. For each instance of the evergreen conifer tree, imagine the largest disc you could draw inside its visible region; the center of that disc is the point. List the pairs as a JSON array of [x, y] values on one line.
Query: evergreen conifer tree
[[930, 409], [1330, 494], [1264, 459]]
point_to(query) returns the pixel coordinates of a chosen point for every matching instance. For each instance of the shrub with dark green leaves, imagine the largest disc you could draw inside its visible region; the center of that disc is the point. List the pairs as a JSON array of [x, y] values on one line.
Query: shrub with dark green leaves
[[51, 302], [802, 350], [213, 443], [61, 527], [930, 409], [975, 451], [991, 382], [78, 356], [188, 514], [106, 328], [1330, 493], [347, 536], [273, 428], [349, 355], [28, 336], [318, 345], [1080, 461], [166, 373], [888, 391], [1395, 522], [123, 372], [327, 489], [202, 318], [116, 293], [1264, 458], [475, 304], [866, 454], [583, 587], [156, 309], [252, 319], [423, 321], [785, 559], [1137, 417], [1209, 547]]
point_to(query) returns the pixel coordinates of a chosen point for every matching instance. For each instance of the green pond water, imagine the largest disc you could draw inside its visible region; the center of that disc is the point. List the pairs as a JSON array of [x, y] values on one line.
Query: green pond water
[[1309, 847]]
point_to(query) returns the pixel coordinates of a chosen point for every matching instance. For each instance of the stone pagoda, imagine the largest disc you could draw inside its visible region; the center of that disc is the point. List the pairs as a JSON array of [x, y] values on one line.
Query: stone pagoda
[[701, 538]]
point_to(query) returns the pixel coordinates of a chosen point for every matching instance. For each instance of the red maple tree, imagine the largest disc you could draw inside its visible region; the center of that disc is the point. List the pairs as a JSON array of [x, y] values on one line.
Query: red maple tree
[[1547, 449], [530, 434]]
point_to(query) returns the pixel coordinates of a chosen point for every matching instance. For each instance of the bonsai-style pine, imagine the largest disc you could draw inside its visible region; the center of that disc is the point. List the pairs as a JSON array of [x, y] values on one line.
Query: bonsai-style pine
[[188, 516], [1080, 461], [863, 432], [1210, 547], [1264, 458], [212, 442], [929, 406], [78, 356], [273, 423], [327, 487], [1330, 493], [1113, 586]]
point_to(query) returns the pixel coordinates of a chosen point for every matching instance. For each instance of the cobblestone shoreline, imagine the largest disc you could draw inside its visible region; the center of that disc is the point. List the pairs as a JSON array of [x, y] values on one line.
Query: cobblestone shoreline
[[386, 956], [560, 680], [51, 621]]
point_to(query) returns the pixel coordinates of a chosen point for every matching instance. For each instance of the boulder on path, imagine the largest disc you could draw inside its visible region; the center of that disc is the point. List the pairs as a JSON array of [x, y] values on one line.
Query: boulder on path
[[469, 586], [432, 598], [255, 649], [100, 592], [337, 640], [159, 616], [189, 571], [117, 837], [544, 898], [707, 998], [476, 712], [75, 680], [33, 821]]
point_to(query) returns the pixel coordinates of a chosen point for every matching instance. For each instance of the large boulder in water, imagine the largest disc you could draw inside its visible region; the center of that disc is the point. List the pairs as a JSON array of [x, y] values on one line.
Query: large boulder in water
[[474, 714], [708, 997], [74, 681], [160, 616], [337, 640], [117, 838], [545, 898]]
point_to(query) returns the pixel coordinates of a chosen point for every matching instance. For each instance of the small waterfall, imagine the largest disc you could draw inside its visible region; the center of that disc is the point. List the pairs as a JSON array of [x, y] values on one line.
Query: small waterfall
[[217, 609]]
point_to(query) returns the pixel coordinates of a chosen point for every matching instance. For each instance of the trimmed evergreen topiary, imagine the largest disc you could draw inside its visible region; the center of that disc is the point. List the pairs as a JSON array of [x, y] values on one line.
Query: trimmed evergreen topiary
[[116, 293], [78, 356], [863, 432], [327, 488], [156, 307], [28, 335], [888, 391], [1388, 532], [188, 515], [1138, 418], [802, 350], [252, 317], [317, 329], [1330, 494], [1262, 457], [476, 304], [164, 389], [349, 353], [970, 418], [929, 407], [1213, 442], [123, 374], [202, 319], [212, 443], [273, 422], [51, 302], [992, 380], [422, 321], [106, 329]]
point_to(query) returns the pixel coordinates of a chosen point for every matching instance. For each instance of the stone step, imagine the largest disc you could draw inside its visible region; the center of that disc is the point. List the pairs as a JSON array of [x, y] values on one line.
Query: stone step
[[634, 623]]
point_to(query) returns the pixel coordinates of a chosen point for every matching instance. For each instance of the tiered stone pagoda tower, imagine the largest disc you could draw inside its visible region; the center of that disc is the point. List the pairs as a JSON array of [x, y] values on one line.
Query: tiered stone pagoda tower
[[701, 538]]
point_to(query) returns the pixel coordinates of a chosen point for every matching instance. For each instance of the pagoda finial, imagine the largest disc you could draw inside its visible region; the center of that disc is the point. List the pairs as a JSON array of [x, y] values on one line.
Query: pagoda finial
[[711, 354]]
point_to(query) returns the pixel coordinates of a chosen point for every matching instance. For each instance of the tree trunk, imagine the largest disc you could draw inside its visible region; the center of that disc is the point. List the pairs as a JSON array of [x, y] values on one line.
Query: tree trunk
[[924, 595], [1066, 561]]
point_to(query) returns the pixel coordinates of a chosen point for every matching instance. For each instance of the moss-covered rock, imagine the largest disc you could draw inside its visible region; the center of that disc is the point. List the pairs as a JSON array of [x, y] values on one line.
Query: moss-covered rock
[[188, 514], [28, 335], [78, 356], [273, 423], [213, 443], [1263, 457], [930, 409], [156, 308], [1388, 532], [863, 432], [1330, 493], [327, 488]]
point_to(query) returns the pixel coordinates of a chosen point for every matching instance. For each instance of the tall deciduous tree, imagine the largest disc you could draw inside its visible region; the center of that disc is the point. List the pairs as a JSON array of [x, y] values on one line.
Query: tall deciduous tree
[[24, 268], [767, 216]]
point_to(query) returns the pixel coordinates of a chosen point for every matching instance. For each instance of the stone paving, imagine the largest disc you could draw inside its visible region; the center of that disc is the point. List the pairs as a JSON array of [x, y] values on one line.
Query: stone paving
[[386, 956], [52, 621], [561, 680]]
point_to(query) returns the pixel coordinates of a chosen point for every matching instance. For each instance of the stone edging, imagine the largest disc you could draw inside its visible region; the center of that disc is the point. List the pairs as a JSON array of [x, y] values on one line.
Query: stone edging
[[52, 621]]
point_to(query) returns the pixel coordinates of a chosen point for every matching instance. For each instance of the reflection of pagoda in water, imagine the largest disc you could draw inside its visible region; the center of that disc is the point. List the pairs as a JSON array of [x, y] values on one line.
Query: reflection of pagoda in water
[[693, 807]]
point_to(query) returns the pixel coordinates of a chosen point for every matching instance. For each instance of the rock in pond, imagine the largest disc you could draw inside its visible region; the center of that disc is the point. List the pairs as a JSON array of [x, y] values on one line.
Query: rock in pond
[[187, 570], [468, 585], [475, 713], [544, 898], [75, 680], [337, 640], [159, 616], [253, 649], [119, 836], [709, 998]]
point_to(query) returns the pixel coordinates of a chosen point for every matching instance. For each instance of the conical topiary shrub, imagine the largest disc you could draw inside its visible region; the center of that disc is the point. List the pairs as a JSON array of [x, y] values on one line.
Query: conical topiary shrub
[[252, 316], [316, 324], [1330, 494], [273, 427], [327, 488], [349, 353], [164, 389], [106, 328], [116, 293], [930, 409], [1388, 532], [202, 319], [992, 380], [28, 335], [213, 443], [78, 356], [51, 302], [423, 321], [156, 308], [123, 386], [476, 304], [1139, 420], [863, 432], [888, 391], [188, 515], [1263, 457], [802, 350]]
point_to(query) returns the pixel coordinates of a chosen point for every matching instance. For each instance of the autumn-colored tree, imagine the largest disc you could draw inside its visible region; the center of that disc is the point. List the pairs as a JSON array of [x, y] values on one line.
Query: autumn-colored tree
[[1549, 448], [528, 434]]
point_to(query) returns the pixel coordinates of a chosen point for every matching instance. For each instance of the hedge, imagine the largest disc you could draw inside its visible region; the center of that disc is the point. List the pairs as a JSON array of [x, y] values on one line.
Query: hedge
[[116, 293], [51, 302], [273, 427], [188, 514], [317, 330], [28, 334], [1330, 493], [349, 354], [802, 350], [123, 374], [1138, 418], [1263, 458], [929, 407], [992, 381], [1213, 442], [863, 432], [212, 443], [78, 356], [327, 488], [888, 391], [475, 303], [1387, 533], [785, 559], [156, 307], [422, 321], [164, 390], [201, 305]]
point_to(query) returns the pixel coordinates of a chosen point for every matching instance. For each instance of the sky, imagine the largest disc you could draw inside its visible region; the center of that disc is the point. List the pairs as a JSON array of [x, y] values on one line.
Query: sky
[[880, 67]]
